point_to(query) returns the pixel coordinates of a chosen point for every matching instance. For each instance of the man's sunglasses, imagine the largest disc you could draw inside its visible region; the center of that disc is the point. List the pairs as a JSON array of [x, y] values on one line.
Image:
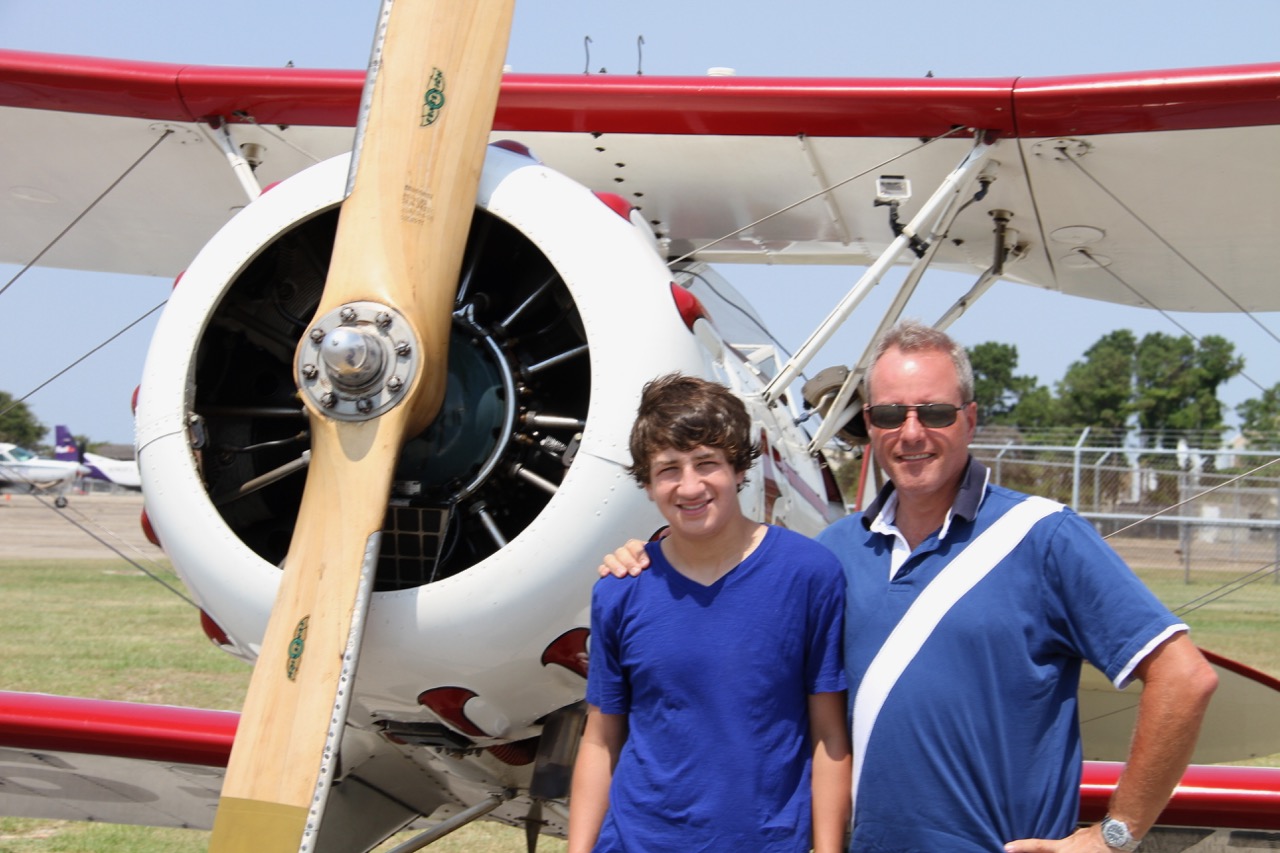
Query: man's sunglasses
[[932, 415]]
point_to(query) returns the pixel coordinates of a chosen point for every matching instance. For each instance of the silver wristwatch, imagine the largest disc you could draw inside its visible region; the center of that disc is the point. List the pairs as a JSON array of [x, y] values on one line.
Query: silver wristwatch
[[1116, 835]]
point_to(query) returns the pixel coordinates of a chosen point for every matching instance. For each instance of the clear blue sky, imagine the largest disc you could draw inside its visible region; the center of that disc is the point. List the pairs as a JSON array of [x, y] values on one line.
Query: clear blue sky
[[52, 317]]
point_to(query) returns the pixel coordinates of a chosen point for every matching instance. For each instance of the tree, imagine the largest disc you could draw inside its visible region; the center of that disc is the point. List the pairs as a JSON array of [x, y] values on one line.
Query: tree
[[1163, 384], [1176, 385], [997, 390], [17, 424], [1037, 409], [1098, 390], [1260, 419]]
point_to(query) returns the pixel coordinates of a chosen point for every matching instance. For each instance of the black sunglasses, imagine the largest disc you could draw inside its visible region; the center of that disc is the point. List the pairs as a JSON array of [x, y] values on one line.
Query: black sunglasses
[[932, 415]]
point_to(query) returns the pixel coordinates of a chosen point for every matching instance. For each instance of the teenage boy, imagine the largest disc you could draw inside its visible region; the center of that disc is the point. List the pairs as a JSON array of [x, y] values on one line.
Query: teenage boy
[[716, 690]]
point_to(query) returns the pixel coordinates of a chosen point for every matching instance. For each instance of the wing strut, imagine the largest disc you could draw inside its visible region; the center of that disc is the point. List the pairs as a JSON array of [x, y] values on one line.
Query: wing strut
[[445, 827], [929, 224], [238, 158]]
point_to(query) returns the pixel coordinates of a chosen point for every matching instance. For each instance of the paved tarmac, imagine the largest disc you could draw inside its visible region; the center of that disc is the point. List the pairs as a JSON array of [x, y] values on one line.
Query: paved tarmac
[[32, 528]]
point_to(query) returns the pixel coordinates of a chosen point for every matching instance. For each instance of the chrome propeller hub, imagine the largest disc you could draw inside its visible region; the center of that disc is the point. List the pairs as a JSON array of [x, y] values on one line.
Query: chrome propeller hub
[[358, 361]]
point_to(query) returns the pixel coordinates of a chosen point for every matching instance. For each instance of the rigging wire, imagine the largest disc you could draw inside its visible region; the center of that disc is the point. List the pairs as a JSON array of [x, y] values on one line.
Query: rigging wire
[[24, 397], [246, 118], [1197, 496], [74, 222], [1163, 313], [49, 246], [63, 233], [1229, 586], [84, 527], [1190, 265]]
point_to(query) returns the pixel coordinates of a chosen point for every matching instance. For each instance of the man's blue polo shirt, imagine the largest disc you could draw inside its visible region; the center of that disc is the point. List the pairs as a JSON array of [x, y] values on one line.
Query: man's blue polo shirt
[[978, 741]]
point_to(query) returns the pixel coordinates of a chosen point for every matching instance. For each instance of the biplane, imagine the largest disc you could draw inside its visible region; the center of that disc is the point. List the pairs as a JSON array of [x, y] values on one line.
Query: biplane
[[382, 428]]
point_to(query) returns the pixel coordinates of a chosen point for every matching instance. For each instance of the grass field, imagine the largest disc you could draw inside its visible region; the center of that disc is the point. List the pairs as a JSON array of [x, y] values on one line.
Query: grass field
[[100, 628]]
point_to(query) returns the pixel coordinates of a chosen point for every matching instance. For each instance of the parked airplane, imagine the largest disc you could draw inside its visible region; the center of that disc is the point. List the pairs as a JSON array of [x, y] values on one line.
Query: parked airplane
[[22, 471], [474, 589], [121, 472]]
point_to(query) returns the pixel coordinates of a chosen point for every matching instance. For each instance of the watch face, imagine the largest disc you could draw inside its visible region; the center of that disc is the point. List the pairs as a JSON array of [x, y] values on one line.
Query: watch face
[[1116, 834]]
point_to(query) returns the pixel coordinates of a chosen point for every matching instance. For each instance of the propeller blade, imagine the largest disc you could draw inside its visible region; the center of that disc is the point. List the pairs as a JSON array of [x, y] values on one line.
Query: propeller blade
[[373, 372]]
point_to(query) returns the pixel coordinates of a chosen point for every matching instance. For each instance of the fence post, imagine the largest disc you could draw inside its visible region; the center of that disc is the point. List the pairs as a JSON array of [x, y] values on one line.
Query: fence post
[[1097, 482], [1184, 529], [1075, 470], [1000, 461]]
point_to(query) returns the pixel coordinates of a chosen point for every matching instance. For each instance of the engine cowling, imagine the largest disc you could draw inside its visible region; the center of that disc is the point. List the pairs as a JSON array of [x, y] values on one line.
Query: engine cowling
[[500, 508]]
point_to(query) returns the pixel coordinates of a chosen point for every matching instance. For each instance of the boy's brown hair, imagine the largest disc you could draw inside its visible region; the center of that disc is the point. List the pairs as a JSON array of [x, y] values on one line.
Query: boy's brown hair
[[683, 412]]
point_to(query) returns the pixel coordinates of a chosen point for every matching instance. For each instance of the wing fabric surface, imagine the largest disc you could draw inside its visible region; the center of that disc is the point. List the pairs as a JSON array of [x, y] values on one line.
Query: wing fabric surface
[[1137, 188]]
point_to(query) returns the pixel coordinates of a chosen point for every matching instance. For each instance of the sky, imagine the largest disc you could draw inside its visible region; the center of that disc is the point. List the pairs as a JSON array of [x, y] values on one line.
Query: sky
[[837, 38]]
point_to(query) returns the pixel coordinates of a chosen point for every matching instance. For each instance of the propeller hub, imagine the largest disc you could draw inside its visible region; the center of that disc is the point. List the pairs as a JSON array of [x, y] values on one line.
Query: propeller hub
[[352, 357], [357, 361]]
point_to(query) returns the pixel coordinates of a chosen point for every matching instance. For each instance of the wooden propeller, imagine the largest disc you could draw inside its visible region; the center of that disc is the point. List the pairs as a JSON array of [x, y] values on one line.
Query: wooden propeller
[[399, 245]]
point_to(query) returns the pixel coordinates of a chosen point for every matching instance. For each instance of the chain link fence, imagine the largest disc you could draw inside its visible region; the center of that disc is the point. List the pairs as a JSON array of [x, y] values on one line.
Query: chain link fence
[[1190, 508]]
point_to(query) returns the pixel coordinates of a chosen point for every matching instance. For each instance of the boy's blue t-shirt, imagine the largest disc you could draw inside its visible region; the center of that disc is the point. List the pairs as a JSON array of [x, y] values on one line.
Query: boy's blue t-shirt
[[715, 683]]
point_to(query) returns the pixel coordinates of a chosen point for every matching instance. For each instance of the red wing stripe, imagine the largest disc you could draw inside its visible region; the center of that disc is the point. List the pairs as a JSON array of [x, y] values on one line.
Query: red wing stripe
[[123, 729], [1233, 96]]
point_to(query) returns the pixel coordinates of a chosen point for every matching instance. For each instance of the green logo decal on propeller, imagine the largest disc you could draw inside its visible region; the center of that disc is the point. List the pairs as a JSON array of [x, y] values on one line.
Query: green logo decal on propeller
[[433, 101], [295, 648]]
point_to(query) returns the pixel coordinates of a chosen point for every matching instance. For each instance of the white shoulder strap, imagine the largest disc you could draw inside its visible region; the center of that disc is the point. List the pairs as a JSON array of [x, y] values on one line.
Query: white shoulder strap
[[959, 576]]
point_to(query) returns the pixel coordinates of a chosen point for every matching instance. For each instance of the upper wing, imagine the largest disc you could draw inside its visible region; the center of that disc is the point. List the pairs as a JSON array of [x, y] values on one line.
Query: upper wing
[[74, 127], [1155, 188]]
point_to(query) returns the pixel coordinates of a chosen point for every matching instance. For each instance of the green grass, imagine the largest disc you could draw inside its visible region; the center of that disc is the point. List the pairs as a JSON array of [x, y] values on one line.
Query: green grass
[[21, 835], [1239, 622], [25, 835], [1227, 615], [100, 628]]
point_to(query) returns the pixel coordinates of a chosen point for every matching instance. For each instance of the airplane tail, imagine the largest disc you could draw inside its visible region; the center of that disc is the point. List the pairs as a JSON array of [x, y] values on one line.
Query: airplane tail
[[65, 447]]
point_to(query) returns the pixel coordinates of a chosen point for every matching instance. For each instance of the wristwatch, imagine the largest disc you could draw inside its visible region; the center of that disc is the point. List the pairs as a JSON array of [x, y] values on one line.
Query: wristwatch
[[1116, 835]]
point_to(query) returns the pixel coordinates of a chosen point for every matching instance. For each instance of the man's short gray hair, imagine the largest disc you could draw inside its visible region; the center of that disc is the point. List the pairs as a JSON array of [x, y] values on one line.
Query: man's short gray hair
[[914, 336]]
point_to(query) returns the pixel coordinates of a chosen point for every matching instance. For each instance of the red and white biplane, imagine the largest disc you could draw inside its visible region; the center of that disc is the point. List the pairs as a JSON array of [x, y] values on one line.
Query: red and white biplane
[[601, 203]]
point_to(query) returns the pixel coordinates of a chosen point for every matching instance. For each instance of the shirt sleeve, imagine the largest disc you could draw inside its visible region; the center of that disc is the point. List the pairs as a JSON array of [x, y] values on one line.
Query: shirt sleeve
[[825, 655], [607, 685], [1107, 615]]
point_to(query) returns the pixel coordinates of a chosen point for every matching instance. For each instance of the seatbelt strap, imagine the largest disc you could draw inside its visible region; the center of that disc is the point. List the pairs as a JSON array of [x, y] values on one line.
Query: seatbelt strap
[[959, 576]]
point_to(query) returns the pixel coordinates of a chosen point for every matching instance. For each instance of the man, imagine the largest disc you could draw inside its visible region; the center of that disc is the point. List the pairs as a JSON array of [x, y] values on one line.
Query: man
[[969, 611]]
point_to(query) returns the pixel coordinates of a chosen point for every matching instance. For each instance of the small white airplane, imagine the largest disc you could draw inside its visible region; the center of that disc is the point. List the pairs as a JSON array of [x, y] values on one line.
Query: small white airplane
[[22, 471], [279, 389], [121, 472]]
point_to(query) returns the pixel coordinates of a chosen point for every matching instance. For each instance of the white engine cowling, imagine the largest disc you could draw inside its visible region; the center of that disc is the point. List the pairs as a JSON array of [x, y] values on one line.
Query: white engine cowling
[[565, 310]]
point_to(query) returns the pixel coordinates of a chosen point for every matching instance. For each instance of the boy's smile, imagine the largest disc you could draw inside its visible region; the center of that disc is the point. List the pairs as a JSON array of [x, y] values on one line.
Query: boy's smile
[[695, 490]]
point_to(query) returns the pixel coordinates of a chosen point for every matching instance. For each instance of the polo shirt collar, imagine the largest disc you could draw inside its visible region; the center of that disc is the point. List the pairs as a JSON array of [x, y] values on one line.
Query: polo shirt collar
[[973, 487]]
